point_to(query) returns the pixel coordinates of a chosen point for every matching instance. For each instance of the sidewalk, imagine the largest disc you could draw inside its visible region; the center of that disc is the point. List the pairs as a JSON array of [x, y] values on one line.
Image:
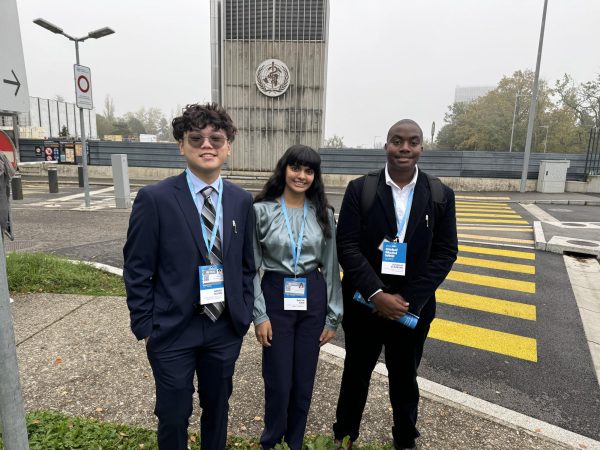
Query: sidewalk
[[77, 355]]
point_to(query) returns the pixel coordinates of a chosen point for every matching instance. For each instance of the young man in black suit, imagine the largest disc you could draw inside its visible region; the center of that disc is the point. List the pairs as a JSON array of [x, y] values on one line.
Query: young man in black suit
[[189, 270], [395, 254]]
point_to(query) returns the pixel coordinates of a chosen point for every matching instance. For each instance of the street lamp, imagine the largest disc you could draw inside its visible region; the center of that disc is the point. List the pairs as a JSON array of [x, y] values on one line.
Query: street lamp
[[96, 34], [546, 139], [512, 131]]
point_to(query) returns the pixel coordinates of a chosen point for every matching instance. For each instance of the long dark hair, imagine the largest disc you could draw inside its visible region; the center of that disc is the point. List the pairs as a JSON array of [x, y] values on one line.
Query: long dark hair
[[299, 155]]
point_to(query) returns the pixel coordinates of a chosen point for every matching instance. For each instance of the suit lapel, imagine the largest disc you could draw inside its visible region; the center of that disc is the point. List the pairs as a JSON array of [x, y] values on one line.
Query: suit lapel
[[190, 212], [419, 203], [228, 216], [384, 194]]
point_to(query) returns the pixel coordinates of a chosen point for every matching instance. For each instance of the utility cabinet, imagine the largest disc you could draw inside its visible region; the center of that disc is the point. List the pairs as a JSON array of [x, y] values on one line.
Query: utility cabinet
[[552, 176]]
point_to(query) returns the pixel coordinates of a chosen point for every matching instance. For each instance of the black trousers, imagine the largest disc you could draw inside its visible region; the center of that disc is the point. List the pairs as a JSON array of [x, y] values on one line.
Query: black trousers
[[290, 364], [208, 350], [365, 335]]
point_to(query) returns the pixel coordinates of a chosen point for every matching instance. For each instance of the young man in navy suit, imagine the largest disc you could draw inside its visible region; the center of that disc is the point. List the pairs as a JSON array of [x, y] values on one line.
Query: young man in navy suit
[[395, 248], [189, 270]]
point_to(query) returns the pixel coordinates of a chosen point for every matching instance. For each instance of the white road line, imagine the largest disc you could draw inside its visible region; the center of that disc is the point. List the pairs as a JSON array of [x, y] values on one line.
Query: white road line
[[72, 197], [538, 212]]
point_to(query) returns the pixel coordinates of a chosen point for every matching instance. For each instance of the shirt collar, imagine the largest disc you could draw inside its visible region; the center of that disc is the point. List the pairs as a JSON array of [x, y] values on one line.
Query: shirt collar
[[199, 184], [390, 182]]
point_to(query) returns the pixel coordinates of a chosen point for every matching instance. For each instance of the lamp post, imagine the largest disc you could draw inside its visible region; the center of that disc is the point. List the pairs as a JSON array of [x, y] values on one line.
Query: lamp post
[[512, 130], [97, 34], [546, 138], [533, 105], [375, 141]]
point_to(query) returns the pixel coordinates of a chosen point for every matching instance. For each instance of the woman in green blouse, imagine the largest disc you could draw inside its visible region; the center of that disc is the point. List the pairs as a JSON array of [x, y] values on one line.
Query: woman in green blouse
[[298, 303]]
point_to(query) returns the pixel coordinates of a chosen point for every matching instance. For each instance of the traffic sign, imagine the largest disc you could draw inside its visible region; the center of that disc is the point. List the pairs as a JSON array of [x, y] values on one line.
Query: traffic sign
[[14, 95], [83, 86]]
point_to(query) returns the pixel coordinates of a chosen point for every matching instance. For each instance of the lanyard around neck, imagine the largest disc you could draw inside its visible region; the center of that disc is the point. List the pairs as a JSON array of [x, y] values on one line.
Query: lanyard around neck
[[213, 236], [406, 212], [296, 248]]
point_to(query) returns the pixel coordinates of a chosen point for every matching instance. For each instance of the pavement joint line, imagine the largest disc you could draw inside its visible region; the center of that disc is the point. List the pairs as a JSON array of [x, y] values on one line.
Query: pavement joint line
[[592, 289], [55, 321], [482, 408], [454, 398]]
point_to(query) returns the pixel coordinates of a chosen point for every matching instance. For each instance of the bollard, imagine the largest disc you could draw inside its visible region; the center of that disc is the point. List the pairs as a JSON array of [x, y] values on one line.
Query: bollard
[[17, 187], [53, 181], [80, 175], [121, 180]]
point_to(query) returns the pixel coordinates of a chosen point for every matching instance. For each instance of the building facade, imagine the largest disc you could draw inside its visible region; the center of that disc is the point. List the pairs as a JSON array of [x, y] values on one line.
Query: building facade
[[269, 64]]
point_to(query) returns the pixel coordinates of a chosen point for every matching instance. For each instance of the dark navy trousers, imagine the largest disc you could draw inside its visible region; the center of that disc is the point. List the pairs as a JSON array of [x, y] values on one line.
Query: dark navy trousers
[[290, 364], [208, 350]]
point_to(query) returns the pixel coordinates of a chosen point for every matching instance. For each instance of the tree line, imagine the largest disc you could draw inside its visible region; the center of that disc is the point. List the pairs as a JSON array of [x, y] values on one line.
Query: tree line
[[144, 121], [566, 112]]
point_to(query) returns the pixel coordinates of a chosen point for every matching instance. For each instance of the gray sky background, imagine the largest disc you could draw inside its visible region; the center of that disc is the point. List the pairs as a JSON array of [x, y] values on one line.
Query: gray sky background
[[387, 59]]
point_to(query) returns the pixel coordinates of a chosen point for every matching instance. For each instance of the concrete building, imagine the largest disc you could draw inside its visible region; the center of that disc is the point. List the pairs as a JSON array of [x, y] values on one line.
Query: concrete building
[[269, 64], [466, 94]]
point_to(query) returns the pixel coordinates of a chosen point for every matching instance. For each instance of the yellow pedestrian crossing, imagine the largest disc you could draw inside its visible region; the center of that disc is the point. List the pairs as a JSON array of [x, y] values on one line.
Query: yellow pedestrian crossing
[[508, 284], [484, 339], [497, 265], [471, 220], [498, 218], [486, 304], [479, 214], [497, 252], [470, 197]]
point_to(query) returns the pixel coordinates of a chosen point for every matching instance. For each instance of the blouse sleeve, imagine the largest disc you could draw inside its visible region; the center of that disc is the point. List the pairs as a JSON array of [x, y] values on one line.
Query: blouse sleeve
[[331, 273], [260, 307]]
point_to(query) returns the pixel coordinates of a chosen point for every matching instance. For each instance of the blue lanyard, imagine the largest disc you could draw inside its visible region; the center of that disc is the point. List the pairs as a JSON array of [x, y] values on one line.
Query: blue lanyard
[[295, 254], [406, 212], [213, 236]]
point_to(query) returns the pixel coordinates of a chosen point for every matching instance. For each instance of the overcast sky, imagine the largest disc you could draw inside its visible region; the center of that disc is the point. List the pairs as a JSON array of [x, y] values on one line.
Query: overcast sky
[[388, 59]]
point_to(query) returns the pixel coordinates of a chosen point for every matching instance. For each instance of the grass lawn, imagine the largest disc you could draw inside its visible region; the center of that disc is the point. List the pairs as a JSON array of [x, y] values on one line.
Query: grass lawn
[[42, 272]]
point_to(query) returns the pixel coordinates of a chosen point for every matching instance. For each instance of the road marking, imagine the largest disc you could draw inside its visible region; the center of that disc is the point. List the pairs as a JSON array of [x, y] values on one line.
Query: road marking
[[482, 198], [71, 197], [475, 220], [509, 228], [486, 304], [495, 238], [480, 214], [497, 265], [498, 244], [490, 204], [482, 209], [495, 282], [538, 212], [481, 338], [498, 252]]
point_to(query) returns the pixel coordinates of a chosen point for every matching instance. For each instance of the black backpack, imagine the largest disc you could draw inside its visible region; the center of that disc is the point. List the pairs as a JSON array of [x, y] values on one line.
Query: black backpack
[[370, 191]]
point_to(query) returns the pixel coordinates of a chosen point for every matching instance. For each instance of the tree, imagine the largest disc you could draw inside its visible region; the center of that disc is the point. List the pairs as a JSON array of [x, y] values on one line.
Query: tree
[[59, 98], [486, 123], [135, 125], [64, 132], [109, 108], [334, 141], [164, 130], [583, 99]]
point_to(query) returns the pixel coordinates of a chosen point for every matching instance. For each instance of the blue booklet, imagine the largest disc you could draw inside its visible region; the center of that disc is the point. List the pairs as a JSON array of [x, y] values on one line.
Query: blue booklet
[[408, 320]]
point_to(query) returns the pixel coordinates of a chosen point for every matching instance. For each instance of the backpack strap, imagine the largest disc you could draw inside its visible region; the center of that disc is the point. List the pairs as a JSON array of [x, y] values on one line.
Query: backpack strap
[[436, 188], [368, 193]]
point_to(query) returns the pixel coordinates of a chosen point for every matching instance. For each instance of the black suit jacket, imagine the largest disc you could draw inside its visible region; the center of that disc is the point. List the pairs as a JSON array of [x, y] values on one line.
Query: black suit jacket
[[431, 250], [164, 249]]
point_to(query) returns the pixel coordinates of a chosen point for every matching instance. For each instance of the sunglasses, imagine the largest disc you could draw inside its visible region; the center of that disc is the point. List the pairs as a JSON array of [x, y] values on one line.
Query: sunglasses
[[215, 140]]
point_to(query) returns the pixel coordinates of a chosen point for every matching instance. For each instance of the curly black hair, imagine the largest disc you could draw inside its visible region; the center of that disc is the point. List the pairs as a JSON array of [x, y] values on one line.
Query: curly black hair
[[197, 117], [299, 155]]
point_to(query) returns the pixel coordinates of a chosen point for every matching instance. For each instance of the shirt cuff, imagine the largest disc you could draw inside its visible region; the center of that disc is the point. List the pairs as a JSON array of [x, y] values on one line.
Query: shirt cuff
[[260, 319], [374, 294]]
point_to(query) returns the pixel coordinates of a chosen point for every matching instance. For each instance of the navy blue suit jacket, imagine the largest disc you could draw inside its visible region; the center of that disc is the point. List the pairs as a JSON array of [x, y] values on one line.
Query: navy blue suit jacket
[[164, 249], [431, 251]]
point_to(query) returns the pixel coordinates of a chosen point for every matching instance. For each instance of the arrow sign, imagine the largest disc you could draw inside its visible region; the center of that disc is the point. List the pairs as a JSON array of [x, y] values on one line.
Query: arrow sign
[[16, 82]]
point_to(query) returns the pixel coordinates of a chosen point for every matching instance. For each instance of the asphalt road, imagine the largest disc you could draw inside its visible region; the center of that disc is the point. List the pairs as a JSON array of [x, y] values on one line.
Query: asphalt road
[[519, 344]]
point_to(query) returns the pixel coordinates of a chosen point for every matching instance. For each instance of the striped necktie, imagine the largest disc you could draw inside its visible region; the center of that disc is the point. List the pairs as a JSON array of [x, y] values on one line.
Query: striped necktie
[[213, 310]]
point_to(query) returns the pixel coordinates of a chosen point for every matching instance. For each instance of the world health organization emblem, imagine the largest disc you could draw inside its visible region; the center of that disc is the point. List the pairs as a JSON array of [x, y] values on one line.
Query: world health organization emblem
[[272, 77]]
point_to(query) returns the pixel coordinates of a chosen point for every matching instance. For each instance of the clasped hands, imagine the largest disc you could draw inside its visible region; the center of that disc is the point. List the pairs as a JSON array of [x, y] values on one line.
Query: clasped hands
[[389, 306]]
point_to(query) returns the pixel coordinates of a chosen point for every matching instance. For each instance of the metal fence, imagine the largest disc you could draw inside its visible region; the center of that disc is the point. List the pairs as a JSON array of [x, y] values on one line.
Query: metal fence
[[348, 160], [592, 157]]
